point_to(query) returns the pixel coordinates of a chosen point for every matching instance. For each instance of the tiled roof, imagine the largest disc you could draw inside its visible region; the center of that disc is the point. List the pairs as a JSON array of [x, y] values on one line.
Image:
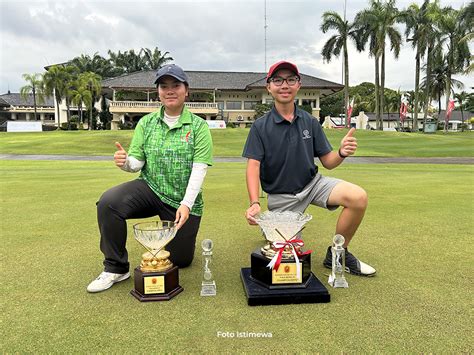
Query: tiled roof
[[456, 115], [209, 80], [3, 103], [15, 99]]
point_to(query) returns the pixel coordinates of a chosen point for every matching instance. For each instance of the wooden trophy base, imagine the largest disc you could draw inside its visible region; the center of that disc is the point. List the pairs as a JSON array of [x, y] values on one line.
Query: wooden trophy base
[[156, 285]]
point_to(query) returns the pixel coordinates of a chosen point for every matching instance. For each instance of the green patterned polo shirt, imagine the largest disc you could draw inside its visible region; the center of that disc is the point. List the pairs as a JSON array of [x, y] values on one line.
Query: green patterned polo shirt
[[169, 154]]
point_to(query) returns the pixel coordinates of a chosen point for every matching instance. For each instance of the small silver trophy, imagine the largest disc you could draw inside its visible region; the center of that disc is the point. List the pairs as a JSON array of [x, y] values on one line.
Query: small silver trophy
[[208, 285], [337, 279]]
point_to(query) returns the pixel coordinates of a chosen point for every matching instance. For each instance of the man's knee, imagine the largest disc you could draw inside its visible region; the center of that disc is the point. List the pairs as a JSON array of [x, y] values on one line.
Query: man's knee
[[359, 199]]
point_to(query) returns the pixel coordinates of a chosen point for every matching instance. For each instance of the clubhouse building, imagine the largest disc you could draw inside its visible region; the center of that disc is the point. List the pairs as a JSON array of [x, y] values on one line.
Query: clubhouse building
[[214, 95]]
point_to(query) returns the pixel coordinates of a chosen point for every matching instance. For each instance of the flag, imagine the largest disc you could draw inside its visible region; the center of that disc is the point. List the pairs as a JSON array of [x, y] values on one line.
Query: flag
[[449, 109], [403, 108], [349, 113]]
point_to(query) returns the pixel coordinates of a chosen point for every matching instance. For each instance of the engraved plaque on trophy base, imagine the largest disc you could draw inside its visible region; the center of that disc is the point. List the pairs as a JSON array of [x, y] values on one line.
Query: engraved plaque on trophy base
[[156, 285], [258, 295], [285, 277]]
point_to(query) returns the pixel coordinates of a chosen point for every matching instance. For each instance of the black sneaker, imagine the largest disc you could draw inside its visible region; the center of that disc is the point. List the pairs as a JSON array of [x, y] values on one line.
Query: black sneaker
[[353, 265]]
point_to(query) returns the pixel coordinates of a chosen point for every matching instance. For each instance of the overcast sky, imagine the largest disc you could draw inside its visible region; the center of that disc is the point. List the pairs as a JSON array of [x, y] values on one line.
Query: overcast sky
[[200, 35]]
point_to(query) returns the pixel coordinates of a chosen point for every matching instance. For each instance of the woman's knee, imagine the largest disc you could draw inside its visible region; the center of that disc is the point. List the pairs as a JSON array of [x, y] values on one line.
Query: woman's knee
[[112, 201]]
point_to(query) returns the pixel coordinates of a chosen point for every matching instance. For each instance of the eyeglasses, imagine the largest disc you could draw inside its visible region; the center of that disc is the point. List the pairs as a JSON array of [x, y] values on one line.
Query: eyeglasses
[[291, 81]]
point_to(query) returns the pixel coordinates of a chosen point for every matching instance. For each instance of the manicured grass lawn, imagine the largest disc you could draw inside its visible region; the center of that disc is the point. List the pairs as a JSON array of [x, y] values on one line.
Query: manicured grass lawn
[[230, 142], [417, 233]]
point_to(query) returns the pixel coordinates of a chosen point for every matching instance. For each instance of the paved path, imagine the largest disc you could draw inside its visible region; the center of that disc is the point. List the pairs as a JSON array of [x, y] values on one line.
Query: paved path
[[350, 160]]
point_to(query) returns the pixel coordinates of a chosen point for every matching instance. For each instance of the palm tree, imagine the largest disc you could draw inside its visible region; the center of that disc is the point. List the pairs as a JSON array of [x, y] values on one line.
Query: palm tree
[[438, 79], [453, 29], [127, 62], [417, 31], [433, 37], [34, 87], [70, 76], [155, 59], [375, 25], [92, 82], [392, 103], [59, 81], [461, 99], [467, 16], [96, 64], [55, 84], [79, 95], [338, 42]]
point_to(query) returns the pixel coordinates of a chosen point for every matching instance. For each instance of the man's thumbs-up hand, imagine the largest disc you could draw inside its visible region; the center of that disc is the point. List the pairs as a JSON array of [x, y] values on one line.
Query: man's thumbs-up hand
[[348, 144], [120, 156]]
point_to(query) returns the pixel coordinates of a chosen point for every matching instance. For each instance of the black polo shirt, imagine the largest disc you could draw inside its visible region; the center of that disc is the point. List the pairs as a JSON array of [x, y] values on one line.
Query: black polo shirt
[[286, 150]]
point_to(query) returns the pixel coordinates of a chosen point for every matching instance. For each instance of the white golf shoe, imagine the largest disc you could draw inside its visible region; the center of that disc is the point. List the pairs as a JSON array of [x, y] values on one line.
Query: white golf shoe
[[105, 281]]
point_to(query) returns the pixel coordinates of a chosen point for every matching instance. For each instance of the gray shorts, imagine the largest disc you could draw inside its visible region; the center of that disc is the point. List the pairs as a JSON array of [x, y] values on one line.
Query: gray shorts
[[315, 193]]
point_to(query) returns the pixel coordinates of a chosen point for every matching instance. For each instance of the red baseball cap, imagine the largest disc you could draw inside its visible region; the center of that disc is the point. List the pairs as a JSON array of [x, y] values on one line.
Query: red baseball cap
[[282, 65]]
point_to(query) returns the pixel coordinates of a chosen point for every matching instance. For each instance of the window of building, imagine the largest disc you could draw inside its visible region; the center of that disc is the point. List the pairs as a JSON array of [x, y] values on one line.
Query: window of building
[[311, 103], [234, 105], [250, 105]]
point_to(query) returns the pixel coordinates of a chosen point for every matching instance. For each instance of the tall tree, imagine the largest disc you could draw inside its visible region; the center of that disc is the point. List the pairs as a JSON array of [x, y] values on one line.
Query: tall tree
[[55, 85], [453, 29], [461, 98], [438, 79], [154, 59], [433, 49], [345, 31], [467, 17], [80, 95], [92, 82], [417, 31], [377, 26], [127, 62], [96, 64], [34, 86]]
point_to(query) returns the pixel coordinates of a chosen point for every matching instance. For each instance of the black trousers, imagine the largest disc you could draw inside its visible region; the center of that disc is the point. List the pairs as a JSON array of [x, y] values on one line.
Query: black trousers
[[135, 199]]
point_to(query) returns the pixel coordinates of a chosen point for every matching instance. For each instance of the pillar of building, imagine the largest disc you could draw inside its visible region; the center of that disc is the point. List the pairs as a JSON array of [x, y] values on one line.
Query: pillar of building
[[28, 116], [116, 120], [14, 116]]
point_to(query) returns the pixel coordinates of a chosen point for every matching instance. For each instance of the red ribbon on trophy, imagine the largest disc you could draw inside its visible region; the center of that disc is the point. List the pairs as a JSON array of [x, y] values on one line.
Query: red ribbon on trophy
[[293, 242]]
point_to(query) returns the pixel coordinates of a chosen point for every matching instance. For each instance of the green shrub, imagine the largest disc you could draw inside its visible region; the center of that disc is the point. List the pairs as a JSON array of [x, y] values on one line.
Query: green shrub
[[261, 109], [306, 108]]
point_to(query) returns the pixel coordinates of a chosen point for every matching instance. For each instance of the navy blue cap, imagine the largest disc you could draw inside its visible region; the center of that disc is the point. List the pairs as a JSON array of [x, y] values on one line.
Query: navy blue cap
[[172, 70]]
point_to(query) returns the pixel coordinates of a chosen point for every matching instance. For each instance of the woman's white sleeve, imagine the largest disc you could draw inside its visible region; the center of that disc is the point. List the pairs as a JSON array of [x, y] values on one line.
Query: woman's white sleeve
[[132, 165], [198, 173]]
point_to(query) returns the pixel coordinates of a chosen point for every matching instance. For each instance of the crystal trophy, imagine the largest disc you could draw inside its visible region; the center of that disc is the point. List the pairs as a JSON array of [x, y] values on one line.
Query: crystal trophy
[[208, 285], [280, 270], [337, 279], [156, 279]]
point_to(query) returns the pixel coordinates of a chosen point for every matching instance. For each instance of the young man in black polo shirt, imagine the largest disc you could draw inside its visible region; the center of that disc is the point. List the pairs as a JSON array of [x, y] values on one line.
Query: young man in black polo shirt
[[281, 148]]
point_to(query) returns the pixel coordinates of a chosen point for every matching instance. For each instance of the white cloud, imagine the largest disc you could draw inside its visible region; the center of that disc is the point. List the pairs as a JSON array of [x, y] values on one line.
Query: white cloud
[[200, 35], [107, 20]]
